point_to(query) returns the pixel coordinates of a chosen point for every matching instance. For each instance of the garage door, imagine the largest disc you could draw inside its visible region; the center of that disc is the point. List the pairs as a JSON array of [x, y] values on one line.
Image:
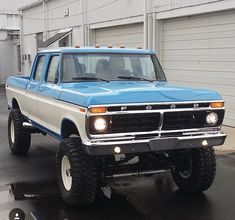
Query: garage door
[[129, 35], [200, 52]]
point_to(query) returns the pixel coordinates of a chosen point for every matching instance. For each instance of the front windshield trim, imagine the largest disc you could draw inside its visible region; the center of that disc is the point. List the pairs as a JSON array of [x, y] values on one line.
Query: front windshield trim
[[159, 73], [160, 70]]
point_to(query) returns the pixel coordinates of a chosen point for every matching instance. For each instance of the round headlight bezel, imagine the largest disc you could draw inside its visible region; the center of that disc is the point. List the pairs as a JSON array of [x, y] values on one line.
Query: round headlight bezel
[[212, 118], [99, 125]]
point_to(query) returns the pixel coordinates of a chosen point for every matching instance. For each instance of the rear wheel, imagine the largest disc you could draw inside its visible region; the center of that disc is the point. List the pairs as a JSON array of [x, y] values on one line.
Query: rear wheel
[[196, 172], [76, 172], [18, 137]]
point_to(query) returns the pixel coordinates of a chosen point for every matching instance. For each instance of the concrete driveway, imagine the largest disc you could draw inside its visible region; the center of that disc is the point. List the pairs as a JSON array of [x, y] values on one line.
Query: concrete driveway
[[29, 183]]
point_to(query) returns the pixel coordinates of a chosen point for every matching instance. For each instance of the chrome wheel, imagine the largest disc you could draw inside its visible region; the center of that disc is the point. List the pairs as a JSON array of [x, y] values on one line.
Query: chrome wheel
[[66, 173], [12, 132]]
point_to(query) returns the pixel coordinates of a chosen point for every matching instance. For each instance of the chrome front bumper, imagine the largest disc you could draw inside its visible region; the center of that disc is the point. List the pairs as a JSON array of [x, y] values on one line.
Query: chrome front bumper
[[106, 147]]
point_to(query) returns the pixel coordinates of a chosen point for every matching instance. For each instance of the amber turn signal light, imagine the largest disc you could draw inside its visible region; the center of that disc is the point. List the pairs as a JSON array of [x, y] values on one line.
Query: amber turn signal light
[[83, 110], [217, 105], [98, 110]]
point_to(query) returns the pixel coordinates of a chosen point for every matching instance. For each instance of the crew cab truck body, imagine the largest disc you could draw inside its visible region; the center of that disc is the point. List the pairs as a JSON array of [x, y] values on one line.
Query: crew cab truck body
[[116, 116]]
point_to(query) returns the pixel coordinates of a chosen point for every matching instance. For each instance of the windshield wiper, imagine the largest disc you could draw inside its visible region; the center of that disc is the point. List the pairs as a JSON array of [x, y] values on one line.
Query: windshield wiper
[[132, 77], [89, 78]]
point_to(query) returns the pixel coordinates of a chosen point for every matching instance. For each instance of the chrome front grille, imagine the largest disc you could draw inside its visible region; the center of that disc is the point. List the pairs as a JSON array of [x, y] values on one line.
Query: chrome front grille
[[156, 119]]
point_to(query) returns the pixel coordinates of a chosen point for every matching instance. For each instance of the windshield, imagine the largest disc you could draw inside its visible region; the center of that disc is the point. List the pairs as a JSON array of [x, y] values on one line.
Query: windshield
[[110, 67]]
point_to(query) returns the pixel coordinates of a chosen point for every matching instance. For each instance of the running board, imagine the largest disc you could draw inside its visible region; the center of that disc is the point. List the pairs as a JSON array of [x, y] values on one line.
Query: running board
[[32, 129]]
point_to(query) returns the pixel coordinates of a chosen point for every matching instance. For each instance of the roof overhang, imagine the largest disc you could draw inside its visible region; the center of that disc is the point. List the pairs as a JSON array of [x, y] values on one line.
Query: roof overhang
[[9, 29], [31, 5], [61, 34]]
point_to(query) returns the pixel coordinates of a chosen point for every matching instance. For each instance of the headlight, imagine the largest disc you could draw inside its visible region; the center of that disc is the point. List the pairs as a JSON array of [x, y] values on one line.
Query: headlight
[[212, 118], [100, 124]]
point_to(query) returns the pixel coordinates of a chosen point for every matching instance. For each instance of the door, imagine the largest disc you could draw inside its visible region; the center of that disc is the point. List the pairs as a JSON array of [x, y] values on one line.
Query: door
[[49, 93], [130, 35], [33, 100]]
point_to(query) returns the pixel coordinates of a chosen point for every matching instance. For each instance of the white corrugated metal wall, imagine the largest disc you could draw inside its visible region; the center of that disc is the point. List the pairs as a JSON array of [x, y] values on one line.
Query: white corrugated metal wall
[[6, 56], [189, 3], [199, 51], [11, 6], [9, 21]]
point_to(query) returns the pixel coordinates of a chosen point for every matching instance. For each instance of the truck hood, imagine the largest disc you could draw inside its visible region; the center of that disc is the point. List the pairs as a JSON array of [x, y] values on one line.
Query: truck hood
[[123, 92]]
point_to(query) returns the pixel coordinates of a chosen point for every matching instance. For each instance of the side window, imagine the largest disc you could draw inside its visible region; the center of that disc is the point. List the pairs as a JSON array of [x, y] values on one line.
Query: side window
[[39, 67], [52, 72]]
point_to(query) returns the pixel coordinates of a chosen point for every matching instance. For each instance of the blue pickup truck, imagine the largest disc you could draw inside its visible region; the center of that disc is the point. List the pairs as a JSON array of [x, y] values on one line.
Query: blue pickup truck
[[115, 115]]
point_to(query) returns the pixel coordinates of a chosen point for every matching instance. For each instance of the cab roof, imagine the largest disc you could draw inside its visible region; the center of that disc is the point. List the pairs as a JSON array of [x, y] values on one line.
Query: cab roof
[[98, 50]]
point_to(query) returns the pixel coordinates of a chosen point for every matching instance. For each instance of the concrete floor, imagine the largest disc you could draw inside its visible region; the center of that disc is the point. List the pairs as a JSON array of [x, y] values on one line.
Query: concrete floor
[[32, 183]]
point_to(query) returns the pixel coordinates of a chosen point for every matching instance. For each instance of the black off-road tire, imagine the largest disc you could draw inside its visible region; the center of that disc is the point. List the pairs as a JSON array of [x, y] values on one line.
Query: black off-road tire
[[19, 139], [83, 172], [203, 170]]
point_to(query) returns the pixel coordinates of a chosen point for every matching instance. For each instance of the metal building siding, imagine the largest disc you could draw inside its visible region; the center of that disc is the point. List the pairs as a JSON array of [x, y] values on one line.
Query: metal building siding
[[6, 55], [188, 3], [129, 35], [200, 52], [169, 5], [11, 6]]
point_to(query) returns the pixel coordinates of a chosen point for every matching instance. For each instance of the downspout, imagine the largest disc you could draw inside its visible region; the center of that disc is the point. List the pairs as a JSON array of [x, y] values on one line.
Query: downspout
[[154, 31], [44, 19], [145, 13], [82, 23], [21, 40]]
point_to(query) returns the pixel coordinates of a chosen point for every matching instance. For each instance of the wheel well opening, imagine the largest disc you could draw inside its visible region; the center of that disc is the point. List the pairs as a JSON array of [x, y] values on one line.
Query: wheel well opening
[[68, 128], [15, 104]]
